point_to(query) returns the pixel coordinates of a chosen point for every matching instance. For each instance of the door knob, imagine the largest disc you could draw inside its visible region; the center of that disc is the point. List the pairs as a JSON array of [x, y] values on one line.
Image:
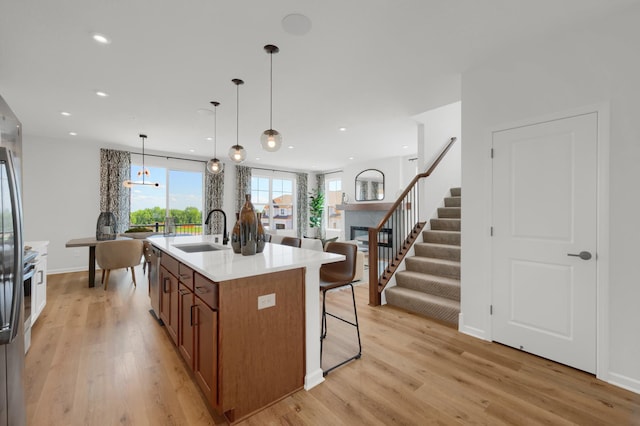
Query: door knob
[[584, 255]]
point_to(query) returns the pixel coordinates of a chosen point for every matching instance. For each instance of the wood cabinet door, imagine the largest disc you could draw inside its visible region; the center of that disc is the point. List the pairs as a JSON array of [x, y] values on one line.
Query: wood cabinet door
[[169, 302], [206, 350], [185, 331]]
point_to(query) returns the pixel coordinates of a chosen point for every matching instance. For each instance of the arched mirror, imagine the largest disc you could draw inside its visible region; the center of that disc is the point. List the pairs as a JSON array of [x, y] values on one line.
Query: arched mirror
[[370, 185]]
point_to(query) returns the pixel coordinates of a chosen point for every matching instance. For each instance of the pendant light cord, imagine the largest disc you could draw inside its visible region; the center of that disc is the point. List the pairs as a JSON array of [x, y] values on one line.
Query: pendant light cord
[[215, 131], [143, 173], [271, 91], [237, 114]]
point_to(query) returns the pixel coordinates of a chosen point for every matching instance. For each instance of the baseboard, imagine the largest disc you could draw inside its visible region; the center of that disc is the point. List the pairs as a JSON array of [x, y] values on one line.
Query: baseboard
[[313, 379], [471, 331], [66, 270], [624, 382]]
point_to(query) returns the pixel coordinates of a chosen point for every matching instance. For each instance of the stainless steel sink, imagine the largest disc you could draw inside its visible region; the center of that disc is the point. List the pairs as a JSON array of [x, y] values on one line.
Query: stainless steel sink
[[200, 247]]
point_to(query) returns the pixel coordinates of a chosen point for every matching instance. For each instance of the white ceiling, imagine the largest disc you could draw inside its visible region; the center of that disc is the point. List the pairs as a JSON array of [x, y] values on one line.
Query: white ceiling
[[367, 65]]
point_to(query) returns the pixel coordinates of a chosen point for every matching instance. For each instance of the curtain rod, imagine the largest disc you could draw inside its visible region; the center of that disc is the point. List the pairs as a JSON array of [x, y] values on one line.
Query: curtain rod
[[168, 157], [273, 170], [335, 171]]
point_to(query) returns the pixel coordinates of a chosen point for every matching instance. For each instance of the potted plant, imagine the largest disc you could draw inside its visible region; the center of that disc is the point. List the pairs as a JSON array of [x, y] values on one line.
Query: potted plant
[[316, 208]]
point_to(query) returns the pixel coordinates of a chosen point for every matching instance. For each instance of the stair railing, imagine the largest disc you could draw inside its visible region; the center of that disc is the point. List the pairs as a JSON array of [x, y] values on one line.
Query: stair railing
[[390, 241]]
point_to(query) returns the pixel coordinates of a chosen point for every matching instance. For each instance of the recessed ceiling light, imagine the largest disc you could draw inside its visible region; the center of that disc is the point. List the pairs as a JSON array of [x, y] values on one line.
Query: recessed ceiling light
[[290, 147], [192, 150], [343, 129], [350, 158], [296, 24], [101, 94], [405, 146], [101, 38], [73, 133], [209, 138], [65, 113], [257, 158]]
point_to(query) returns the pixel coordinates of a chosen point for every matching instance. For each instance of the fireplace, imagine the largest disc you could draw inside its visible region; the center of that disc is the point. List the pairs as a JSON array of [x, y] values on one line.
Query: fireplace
[[361, 234]]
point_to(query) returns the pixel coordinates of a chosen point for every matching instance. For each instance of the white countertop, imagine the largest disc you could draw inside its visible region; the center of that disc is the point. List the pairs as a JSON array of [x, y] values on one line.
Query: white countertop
[[222, 265]]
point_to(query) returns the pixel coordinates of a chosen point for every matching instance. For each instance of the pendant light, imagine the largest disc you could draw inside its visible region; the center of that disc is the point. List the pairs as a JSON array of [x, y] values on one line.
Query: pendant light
[[144, 172], [237, 152], [214, 166], [271, 140]]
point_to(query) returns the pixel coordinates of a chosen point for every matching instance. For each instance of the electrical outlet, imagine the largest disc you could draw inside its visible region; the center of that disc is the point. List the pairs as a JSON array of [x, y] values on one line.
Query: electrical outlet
[[266, 301]]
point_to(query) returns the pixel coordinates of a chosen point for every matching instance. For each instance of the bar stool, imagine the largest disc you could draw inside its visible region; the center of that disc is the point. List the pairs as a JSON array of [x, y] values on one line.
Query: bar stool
[[335, 275]]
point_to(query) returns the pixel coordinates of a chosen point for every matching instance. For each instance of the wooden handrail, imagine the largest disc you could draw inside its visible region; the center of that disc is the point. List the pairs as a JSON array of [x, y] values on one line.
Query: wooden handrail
[[415, 180], [404, 222]]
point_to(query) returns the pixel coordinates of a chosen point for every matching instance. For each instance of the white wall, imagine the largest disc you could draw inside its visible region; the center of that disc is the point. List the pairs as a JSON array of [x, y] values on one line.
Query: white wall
[[436, 128], [61, 198], [598, 63]]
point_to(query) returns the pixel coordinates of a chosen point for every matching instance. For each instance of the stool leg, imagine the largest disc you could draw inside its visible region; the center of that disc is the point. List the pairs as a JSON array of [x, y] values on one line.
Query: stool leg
[[355, 313], [323, 326], [356, 324]]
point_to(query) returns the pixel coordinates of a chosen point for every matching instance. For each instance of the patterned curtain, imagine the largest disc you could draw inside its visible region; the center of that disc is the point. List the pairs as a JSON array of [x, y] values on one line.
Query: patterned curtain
[[243, 185], [115, 168], [320, 186], [213, 195], [302, 204]]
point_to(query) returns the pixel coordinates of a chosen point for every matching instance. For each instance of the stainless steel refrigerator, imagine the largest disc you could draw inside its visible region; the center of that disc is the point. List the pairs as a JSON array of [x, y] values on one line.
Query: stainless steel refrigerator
[[12, 402]]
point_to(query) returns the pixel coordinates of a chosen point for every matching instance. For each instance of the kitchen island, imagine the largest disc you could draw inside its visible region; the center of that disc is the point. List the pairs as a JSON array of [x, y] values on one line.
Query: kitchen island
[[248, 326]]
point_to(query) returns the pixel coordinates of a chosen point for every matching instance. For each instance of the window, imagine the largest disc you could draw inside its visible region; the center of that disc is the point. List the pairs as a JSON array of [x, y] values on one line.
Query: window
[[179, 196], [333, 197], [274, 198]]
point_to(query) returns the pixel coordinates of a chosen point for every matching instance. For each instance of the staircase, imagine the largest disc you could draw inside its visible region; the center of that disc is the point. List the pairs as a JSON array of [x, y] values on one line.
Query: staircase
[[430, 285]]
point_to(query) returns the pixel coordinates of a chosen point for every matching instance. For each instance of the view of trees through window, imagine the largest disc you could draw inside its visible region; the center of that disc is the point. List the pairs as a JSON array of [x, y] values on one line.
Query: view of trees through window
[[273, 197], [179, 196]]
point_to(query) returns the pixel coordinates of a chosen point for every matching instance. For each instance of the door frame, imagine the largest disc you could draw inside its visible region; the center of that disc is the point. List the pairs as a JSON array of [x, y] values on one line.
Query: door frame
[[602, 222]]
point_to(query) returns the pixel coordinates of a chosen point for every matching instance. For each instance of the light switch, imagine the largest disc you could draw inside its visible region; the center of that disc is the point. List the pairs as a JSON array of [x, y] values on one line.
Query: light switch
[[266, 301]]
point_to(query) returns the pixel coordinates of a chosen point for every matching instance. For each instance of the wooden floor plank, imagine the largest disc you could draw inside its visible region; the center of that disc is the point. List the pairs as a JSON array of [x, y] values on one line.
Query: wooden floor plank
[[100, 358]]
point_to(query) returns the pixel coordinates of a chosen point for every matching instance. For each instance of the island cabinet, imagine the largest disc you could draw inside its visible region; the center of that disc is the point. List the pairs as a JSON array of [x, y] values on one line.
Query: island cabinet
[[169, 297], [261, 332], [244, 338]]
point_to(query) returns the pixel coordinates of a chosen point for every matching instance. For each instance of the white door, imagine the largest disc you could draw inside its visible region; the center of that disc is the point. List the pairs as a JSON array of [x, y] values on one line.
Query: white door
[[544, 213]]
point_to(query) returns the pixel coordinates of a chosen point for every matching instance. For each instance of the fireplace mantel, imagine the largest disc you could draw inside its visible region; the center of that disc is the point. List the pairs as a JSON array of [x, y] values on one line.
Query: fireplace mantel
[[365, 207]]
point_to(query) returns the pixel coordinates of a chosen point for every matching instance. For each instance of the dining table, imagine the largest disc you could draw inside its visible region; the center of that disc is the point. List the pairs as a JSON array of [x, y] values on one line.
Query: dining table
[[90, 242]]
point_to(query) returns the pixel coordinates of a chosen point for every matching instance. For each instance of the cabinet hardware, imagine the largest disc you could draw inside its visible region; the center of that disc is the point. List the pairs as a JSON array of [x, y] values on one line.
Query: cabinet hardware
[[199, 289], [164, 285]]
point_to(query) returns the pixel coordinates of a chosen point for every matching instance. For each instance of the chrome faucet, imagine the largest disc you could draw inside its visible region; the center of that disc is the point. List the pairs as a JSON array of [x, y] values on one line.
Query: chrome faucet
[[225, 236]]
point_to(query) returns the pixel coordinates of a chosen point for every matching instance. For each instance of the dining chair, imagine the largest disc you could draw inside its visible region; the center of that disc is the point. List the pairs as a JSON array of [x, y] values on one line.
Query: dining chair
[[146, 253], [291, 241], [333, 276], [118, 254]]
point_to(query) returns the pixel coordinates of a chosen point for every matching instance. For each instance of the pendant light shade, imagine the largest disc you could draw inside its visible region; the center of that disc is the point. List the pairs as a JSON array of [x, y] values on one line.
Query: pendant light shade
[[271, 140], [237, 152], [215, 166], [143, 172]]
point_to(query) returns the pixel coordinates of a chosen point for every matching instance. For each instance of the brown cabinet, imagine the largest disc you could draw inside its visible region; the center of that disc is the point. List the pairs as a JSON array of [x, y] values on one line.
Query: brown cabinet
[[205, 366], [242, 338], [187, 321], [169, 301]]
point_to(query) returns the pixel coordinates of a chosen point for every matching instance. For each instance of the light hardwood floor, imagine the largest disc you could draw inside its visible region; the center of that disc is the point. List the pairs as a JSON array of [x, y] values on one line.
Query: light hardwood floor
[[99, 358]]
